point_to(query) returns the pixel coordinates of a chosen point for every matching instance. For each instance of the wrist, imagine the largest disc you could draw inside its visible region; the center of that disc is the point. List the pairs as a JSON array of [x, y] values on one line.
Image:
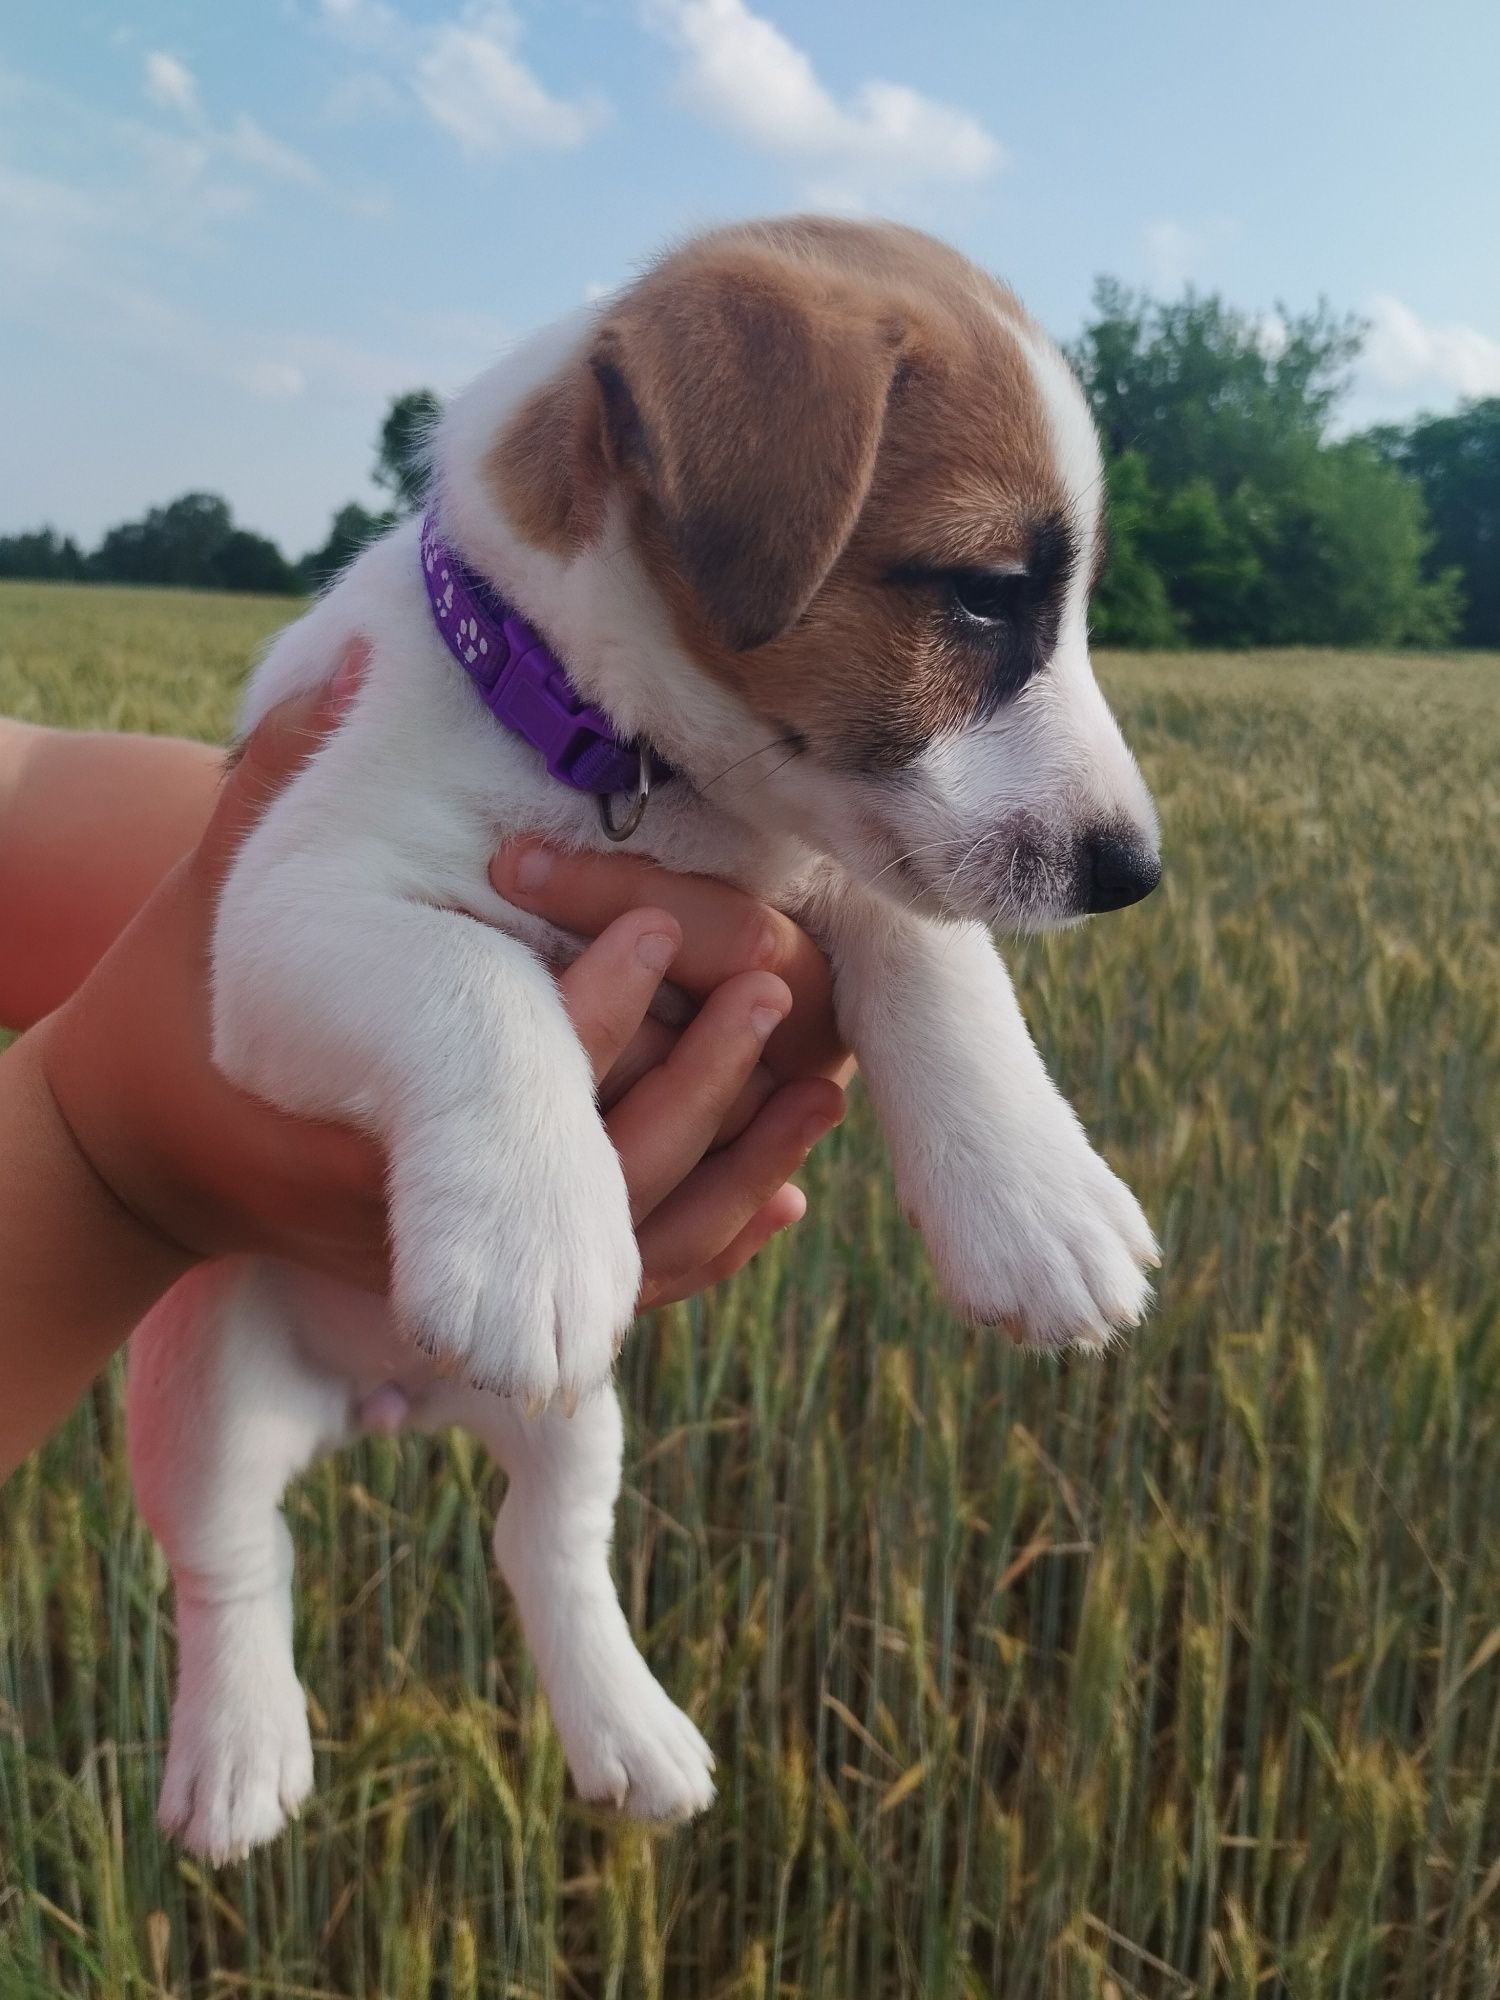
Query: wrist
[[80, 1268], [152, 1253], [67, 1070]]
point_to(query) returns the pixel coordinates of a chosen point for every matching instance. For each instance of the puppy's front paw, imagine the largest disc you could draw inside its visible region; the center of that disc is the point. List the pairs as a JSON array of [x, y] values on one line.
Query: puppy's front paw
[[1048, 1241], [518, 1267]]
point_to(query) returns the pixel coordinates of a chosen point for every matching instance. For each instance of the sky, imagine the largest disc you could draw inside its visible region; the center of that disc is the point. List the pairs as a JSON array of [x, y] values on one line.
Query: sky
[[230, 232]]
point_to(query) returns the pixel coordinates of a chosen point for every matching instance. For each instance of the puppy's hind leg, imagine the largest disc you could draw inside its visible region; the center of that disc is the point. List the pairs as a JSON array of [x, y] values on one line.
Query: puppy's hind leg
[[627, 1743], [223, 1411]]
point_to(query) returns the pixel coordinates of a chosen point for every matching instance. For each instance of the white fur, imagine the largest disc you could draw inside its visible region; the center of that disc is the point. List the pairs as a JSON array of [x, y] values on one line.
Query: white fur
[[350, 983]]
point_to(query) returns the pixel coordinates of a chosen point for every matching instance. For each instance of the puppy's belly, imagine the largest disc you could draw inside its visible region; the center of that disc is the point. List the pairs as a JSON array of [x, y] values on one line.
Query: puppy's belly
[[349, 1335]]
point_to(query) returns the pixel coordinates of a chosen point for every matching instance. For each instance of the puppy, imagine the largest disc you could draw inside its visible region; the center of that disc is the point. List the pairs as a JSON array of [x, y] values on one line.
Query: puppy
[[796, 537]]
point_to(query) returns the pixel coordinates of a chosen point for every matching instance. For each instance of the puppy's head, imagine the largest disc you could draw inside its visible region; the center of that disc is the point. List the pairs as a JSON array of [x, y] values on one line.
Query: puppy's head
[[868, 493]]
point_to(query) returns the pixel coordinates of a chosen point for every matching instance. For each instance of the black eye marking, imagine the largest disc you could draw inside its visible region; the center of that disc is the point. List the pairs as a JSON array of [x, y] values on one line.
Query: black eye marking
[[989, 597], [1010, 617]]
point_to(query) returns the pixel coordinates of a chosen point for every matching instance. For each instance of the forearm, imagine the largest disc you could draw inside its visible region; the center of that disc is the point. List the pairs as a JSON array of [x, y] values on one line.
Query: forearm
[[77, 1270], [89, 824]]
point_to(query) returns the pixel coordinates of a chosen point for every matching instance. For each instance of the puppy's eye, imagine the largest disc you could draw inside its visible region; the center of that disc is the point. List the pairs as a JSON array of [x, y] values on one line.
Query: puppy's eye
[[989, 597]]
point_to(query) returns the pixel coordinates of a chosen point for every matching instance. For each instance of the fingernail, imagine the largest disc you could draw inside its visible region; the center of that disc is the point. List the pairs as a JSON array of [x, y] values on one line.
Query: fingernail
[[765, 1021], [533, 866], [656, 950]]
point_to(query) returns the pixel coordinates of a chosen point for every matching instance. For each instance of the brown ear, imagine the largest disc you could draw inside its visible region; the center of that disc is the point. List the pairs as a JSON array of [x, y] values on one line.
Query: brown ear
[[748, 402], [548, 464]]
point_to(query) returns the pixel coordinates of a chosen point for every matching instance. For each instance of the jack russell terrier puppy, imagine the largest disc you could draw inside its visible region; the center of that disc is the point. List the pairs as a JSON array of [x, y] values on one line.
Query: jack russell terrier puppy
[[778, 563]]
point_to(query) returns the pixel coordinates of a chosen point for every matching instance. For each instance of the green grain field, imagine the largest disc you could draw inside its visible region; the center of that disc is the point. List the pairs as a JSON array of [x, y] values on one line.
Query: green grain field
[[1172, 1674]]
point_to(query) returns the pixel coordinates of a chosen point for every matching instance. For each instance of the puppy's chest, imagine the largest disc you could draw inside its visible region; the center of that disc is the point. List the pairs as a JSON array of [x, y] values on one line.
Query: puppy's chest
[[686, 836], [680, 830], [685, 833]]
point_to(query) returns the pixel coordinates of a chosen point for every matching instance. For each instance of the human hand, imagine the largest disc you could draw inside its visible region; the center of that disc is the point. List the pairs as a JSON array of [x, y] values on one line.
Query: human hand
[[732, 945], [213, 1170]]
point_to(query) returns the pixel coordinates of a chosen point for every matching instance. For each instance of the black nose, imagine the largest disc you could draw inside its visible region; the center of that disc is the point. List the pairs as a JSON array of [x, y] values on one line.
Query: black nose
[[1115, 871]]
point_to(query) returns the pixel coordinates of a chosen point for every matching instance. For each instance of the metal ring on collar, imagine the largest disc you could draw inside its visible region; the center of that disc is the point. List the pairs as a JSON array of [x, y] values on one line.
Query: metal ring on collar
[[637, 811]]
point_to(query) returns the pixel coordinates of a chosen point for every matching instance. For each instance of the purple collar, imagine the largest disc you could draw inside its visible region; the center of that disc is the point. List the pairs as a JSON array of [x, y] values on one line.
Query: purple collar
[[524, 685]]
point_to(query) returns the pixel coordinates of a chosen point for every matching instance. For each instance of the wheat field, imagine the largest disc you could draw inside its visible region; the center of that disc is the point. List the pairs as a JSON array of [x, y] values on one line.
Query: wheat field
[[1173, 1674]]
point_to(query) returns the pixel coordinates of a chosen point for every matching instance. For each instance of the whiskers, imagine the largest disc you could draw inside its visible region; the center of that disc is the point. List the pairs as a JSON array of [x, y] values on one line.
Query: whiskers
[[900, 860], [791, 743], [963, 862]]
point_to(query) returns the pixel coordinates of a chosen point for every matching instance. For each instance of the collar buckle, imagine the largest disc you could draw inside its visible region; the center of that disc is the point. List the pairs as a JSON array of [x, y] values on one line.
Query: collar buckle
[[635, 812]]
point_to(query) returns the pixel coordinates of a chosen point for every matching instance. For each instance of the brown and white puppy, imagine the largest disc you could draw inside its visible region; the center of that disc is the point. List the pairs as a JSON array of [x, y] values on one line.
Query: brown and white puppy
[[814, 510]]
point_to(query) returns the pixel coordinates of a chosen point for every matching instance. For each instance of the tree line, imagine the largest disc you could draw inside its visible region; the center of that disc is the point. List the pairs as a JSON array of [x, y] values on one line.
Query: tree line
[[193, 541], [1237, 516]]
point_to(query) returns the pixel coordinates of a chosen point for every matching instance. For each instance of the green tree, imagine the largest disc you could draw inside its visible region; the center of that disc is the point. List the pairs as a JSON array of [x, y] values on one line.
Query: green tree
[[1455, 460], [1205, 391], [252, 562], [1342, 554], [192, 542], [43, 554], [1235, 520], [177, 543], [1131, 606], [401, 454], [352, 528]]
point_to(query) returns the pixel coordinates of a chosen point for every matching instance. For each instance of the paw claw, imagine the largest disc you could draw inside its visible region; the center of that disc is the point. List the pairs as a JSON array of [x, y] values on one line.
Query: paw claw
[[633, 1749], [239, 1762]]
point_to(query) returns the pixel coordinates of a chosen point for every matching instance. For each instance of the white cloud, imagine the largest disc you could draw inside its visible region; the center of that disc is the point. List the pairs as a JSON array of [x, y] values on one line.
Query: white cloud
[[472, 82], [1405, 353], [742, 72], [68, 272], [466, 74], [159, 191], [171, 86], [170, 83], [371, 25], [1176, 252], [118, 311], [362, 93], [32, 203], [253, 146]]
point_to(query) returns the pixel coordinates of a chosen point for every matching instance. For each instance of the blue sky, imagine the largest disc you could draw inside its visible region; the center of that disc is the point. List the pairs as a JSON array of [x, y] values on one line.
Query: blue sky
[[228, 232]]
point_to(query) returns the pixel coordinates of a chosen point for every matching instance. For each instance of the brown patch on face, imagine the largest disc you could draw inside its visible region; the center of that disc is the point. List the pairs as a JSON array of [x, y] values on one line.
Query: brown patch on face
[[806, 416]]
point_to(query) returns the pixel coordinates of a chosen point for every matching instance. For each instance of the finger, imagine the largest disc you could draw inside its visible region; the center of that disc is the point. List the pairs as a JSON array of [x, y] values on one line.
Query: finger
[[651, 1044], [608, 987], [712, 1208], [275, 750], [786, 1207], [724, 931], [663, 1127]]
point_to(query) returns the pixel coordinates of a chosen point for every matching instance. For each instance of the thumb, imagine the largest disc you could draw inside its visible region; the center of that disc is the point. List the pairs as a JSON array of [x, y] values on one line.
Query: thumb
[[270, 757]]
